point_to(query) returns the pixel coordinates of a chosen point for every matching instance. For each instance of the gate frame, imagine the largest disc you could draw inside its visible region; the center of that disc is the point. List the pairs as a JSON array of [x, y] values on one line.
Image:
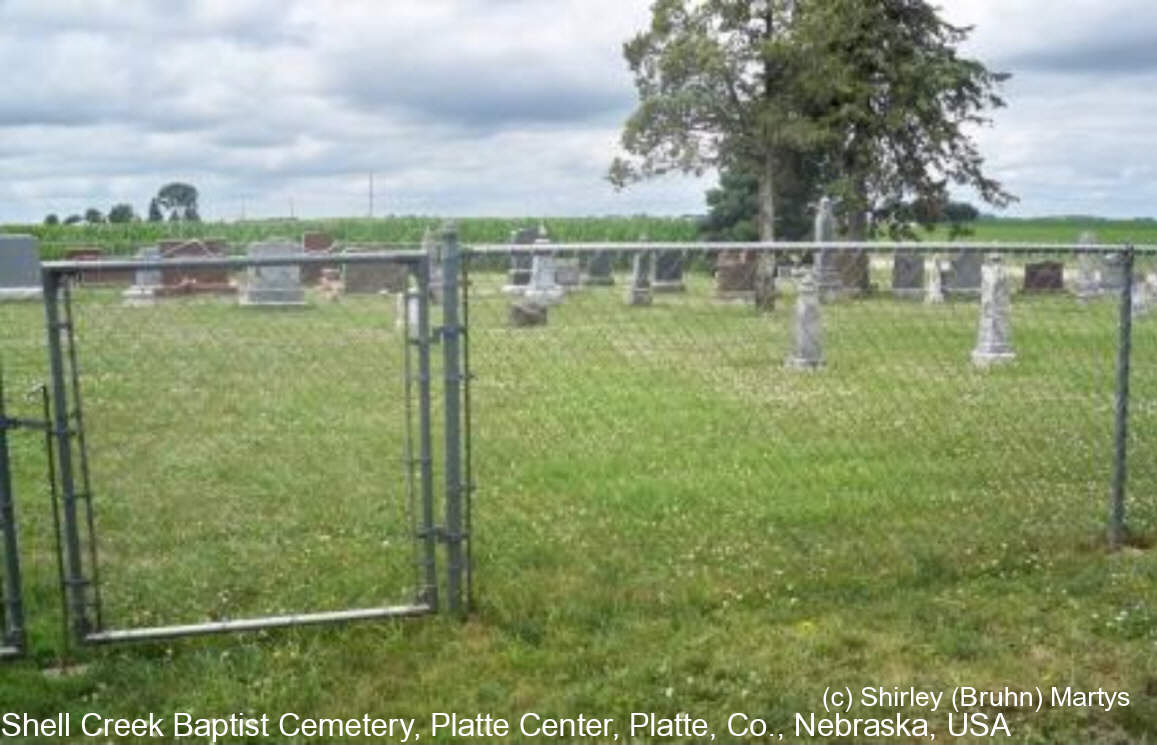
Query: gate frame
[[67, 429], [12, 636]]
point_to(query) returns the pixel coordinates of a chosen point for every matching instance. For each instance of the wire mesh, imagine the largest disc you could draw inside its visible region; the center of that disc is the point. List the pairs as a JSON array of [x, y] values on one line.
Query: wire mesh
[[632, 402], [242, 459]]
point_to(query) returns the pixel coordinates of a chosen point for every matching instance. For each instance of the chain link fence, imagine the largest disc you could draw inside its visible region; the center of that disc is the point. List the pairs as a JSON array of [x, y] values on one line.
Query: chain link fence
[[236, 447], [756, 419], [703, 424]]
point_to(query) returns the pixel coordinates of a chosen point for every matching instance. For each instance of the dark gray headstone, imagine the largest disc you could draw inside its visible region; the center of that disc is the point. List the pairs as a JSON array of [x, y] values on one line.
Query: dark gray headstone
[[963, 276], [599, 269], [669, 272], [19, 267], [1044, 276], [520, 262], [908, 274], [566, 272]]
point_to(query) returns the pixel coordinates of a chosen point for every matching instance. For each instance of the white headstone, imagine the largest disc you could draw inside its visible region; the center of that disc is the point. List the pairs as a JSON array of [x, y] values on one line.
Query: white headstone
[[543, 290], [808, 339], [994, 334], [639, 288], [933, 291]]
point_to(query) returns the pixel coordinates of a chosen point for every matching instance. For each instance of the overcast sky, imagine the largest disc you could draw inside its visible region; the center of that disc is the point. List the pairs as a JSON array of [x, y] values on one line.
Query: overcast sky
[[479, 107]]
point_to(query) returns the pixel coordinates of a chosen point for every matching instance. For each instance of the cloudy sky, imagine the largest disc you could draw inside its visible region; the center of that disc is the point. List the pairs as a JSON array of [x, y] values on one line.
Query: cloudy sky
[[479, 107]]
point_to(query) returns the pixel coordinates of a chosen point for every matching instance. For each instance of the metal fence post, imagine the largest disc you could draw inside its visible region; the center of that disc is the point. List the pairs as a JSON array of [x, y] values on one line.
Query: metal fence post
[[1124, 350], [10, 589], [428, 532], [74, 571], [452, 371]]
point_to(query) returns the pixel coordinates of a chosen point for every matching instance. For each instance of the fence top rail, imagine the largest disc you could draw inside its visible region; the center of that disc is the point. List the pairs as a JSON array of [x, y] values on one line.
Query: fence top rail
[[235, 262], [811, 246]]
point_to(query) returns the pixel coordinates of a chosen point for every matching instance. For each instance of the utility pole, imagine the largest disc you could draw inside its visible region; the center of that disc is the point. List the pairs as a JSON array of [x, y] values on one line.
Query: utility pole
[[371, 194]]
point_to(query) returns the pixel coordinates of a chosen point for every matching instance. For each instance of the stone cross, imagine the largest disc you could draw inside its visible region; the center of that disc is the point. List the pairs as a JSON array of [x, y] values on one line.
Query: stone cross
[[994, 334], [808, 347]]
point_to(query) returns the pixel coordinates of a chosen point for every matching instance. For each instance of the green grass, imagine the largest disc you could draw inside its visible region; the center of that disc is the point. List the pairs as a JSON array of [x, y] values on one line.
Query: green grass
[[666, 519]]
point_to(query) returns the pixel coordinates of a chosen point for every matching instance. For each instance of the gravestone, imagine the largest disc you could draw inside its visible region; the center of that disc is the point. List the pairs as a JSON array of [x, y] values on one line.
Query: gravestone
[[315, 242], [374, 278], [520, 261], [599, 269], [20, 268], [273, 286], [1044, 276], [963, 275], [1087, 284], [639, 288], [1113, 275], [735, 275], [566, 272], [543, 290], [407, 311], [1144, 295], [523, 314], [330, 285], [933, 288], [808, 337], [825, 267], [669, 272], [994, 334], [95, 274], [908, 274], [187, 280], [146, 282]]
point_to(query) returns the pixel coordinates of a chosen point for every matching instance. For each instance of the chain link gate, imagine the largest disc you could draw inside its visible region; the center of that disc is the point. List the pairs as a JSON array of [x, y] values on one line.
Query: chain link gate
[[79, 522]]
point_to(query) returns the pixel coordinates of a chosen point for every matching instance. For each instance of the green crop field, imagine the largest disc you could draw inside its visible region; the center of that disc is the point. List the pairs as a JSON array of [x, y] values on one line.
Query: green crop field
[[127, 238], [666, 520]]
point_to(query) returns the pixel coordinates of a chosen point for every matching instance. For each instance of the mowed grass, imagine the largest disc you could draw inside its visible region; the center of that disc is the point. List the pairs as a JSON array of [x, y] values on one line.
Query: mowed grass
[[666, 520]]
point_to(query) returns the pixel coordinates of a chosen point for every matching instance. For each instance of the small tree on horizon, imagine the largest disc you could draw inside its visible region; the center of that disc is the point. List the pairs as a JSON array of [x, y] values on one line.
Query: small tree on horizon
[[121, 213]]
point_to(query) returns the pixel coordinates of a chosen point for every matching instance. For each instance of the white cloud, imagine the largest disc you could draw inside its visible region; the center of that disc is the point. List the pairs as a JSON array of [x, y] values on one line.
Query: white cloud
[[475, 106]]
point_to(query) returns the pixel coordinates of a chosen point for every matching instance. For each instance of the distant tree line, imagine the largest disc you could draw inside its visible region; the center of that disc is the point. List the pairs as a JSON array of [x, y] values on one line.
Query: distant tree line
[[174, 202]]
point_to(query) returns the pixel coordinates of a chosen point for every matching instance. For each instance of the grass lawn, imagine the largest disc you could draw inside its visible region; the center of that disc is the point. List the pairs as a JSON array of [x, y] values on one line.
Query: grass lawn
[[666, 520]]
